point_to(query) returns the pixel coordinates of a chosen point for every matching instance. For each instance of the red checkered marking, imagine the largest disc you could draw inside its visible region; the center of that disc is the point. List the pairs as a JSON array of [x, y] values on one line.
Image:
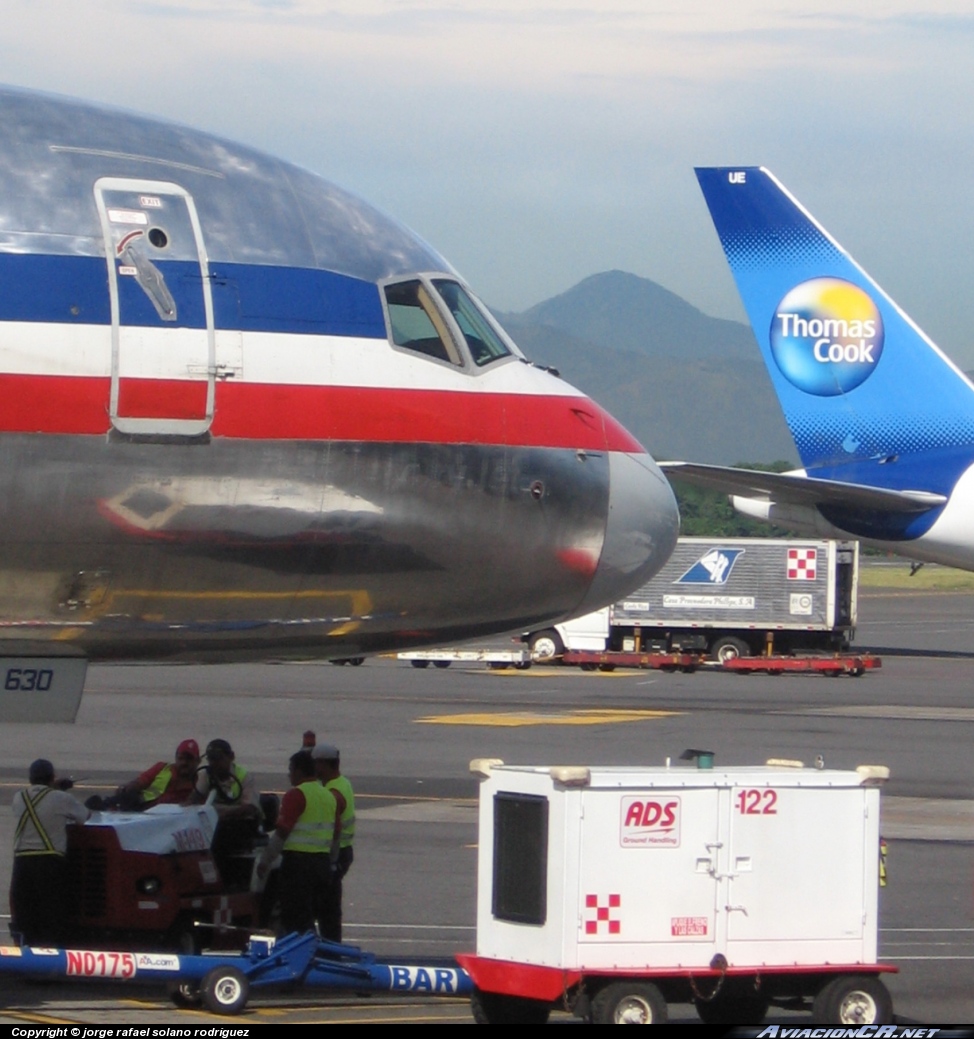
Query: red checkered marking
[[802, 563], [603, 914]]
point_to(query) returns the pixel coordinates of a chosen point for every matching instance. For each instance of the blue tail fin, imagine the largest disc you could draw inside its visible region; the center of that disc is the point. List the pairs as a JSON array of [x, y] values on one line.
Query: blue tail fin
[[858, 382]]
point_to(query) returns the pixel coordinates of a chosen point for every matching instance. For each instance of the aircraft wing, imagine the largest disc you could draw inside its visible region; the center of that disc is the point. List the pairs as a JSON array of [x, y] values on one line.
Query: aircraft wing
[[799, 490]]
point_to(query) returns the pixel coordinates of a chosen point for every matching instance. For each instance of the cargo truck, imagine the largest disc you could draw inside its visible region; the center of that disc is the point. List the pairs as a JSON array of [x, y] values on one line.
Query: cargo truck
[[727, 598]]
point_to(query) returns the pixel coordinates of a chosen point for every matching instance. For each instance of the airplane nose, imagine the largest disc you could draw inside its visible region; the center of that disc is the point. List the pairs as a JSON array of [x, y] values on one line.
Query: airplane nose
[[641, 529]]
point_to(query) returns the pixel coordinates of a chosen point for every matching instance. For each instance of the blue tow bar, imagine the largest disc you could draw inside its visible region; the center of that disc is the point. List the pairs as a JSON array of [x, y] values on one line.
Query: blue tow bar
[[222, 983]]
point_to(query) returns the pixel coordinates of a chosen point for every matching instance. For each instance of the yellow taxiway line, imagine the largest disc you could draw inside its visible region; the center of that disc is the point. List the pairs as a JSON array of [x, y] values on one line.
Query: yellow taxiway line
[[515, 719]]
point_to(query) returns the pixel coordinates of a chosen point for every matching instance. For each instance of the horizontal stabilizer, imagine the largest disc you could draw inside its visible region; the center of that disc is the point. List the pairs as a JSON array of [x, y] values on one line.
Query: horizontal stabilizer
[[788, 488]]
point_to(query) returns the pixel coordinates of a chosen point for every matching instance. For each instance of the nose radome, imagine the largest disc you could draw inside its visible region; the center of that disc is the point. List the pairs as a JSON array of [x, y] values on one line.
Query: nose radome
[[640, 532]]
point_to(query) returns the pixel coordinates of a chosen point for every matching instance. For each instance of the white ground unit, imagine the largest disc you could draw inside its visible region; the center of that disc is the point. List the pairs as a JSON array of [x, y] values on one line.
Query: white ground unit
[[518, 658], [620, 889]]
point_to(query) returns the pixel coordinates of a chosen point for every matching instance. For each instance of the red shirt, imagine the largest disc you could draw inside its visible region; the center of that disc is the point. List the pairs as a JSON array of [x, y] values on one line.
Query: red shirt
[[293, 804]]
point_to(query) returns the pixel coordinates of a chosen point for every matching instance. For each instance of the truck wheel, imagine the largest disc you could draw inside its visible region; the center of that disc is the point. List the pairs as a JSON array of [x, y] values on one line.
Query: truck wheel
[[629, 1003], [441, 663], [225, 990], [857, 999], [740, 1005], [546, 646], [420, 663], [729, 648], [495, 1008]]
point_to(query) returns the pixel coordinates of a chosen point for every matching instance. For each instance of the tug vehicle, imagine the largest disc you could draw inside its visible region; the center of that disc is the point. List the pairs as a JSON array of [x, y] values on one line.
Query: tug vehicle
[[150, 880]]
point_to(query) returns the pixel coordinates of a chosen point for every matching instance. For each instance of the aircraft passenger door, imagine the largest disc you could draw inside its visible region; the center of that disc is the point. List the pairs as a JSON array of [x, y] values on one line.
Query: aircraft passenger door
[[163, 343]]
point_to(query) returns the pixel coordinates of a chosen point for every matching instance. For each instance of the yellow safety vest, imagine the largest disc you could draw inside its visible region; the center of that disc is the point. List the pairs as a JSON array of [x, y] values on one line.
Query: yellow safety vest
[[315, 829], [157, 787], [344, 787]]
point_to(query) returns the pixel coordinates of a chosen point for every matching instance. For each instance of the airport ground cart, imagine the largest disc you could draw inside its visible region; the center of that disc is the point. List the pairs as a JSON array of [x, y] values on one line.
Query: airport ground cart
[[853, 665], [614, 891], [222, 982], [608, 660], [494, 658]]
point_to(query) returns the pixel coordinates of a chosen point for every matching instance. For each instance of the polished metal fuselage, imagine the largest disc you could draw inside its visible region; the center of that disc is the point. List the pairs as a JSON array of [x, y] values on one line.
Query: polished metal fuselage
[[218, 485]]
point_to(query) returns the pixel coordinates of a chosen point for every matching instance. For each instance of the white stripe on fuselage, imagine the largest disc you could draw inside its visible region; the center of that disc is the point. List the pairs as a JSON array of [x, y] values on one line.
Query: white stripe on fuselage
[[270, 358]]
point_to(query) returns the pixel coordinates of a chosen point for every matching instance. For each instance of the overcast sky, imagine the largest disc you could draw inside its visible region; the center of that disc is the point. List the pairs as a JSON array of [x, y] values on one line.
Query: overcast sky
[[535, 142]]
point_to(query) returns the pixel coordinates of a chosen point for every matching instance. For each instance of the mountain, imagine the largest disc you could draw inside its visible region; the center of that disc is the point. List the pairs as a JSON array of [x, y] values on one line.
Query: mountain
[[635, 314], [689, 386]]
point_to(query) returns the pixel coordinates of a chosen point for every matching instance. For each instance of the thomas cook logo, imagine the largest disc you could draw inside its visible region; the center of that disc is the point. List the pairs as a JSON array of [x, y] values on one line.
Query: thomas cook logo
[[827, 336]]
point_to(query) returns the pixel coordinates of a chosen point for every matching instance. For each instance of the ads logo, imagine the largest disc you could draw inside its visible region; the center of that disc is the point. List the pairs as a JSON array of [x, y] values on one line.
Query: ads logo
[[650, 822], [827, 336]]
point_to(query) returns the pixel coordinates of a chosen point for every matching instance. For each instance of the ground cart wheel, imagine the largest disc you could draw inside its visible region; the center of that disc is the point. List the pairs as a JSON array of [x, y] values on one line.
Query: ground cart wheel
[[629, 1003], [546, 645], [729, 648], [854, 1000], [734, 1005], [420, 663], [186, 995], [495, 1008], [225, 990], [441, 663]]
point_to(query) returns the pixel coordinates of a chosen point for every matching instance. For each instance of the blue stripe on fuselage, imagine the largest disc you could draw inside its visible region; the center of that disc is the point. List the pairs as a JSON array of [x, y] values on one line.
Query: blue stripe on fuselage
[[248, 297]]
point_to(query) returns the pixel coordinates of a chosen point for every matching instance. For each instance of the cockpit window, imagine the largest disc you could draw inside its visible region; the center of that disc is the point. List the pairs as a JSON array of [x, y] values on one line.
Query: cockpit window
[[483, 341], [417, 323]]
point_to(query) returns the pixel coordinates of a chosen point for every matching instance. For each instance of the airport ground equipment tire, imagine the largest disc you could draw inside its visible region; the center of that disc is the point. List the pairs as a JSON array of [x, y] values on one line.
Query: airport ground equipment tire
[[734, 1005], [495, 1008], [629, 1003], [225, 990], [546, 646], [589, 667], [356, 661], [856, 999], [420, 663], [729, 648], [441, 663], [186, 995]]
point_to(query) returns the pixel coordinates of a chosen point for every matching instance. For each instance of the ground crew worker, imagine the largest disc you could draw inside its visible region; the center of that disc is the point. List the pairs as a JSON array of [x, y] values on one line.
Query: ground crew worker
[[163, 783], [237, 805], [304, 838], [236, 792], [38, 888], [328, 771]]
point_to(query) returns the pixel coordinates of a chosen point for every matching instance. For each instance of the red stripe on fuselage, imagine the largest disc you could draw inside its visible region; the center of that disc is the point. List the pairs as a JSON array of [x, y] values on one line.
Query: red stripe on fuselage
[[73, 404], [148, 398]]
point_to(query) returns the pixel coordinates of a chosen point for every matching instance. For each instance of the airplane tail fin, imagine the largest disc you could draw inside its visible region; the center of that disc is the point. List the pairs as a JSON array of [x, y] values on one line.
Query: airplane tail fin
[[857, 380]]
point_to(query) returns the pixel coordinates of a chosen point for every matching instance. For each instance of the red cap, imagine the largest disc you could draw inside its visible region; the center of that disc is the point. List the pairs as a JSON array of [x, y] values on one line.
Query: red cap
[[188, 747]]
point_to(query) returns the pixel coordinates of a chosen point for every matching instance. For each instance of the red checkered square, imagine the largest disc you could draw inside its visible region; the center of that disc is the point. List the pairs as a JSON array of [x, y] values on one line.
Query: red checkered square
[[604, 919], [802, 563]]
